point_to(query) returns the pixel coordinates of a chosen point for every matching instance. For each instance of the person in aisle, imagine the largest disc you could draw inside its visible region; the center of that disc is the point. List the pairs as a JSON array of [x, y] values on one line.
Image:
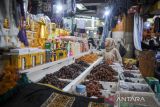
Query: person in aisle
[[91, 43], [111, 54]]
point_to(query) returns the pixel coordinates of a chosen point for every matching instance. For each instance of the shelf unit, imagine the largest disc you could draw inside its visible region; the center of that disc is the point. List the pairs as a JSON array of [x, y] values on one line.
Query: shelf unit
[[36, 73]]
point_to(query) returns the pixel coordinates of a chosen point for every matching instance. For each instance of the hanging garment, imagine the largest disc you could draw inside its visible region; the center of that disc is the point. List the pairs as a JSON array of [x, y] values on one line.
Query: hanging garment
[[157, 24], [22, 37], [11, 11], [138, 30], [122, 50]]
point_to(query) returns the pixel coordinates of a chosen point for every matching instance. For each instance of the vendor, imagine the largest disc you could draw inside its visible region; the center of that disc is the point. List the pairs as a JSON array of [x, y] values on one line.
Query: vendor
[[111, 54]]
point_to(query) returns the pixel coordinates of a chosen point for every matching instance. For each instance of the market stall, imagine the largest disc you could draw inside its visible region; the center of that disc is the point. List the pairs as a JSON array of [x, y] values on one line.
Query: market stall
[[79, 53]]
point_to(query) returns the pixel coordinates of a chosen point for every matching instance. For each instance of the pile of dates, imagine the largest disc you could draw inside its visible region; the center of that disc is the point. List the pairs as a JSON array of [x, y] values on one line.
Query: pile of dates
[[93, 88], [77, 67], [70, 72], [53, 80], [67, 73], [82, 63], [103, 72]]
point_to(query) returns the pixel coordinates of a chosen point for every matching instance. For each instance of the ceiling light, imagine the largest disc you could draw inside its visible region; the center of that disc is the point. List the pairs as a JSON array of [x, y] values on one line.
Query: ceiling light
[[59, 8], [81, 6], [107, 12]]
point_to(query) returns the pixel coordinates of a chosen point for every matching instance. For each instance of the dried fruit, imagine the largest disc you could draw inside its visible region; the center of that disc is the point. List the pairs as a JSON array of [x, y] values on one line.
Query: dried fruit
[[53, 80], [93, 88], [103, 72], [88, 58]]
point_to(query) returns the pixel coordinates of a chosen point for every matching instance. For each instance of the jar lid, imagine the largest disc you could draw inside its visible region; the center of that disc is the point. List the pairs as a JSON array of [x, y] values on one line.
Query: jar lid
[[80, 88]]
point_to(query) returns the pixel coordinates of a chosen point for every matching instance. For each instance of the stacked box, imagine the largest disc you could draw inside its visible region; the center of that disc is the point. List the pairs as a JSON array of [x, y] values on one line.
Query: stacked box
[[20, 58]]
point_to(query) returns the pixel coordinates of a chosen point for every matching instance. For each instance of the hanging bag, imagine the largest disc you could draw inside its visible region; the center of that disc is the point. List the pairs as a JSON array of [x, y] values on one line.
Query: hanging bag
[[122, 50]]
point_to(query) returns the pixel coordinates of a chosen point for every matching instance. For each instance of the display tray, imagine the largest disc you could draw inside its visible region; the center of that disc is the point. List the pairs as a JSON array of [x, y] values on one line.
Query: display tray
[[135, 80], [59, 83], [132, 75], [82, 76], [134, 87], [132, 71], [109, 86], [98, 89], [118, 68]]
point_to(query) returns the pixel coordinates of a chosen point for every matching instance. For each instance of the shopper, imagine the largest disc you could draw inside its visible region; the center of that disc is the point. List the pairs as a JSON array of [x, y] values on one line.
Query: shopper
[[91, 42], [111, 53]]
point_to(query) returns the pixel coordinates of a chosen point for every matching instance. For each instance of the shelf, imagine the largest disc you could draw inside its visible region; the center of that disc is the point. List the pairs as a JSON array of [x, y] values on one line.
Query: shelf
[[35, 74], [44, 66], [81, 77], [50, 64]]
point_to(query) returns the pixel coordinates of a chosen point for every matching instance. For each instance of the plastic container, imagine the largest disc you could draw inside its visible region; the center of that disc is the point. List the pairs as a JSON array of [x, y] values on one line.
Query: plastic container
[[134, 87], [80, 90]]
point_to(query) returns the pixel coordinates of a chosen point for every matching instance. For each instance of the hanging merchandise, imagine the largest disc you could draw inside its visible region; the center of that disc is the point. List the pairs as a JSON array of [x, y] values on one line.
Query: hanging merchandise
[[71, 7], [23, 37], [107, 27], [35, 6], [13, 32], [10, 14], [138, 30], [2, 40], [157, 24]]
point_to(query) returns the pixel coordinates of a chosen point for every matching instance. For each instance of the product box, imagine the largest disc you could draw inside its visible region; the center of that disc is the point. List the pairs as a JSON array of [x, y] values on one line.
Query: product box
[[42, 56], [60, 54], [34, 56], [19, 58]]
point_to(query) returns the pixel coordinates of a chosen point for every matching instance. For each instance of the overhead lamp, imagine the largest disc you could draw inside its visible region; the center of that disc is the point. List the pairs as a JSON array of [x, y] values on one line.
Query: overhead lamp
[[59, 8], [81, 6], [107, 12]]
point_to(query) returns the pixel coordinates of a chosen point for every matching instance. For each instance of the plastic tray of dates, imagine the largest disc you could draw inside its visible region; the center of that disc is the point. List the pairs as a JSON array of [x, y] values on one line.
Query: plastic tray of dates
[[99, 88], [93, 88], [137, 87], [132, 75], [135, 80]]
